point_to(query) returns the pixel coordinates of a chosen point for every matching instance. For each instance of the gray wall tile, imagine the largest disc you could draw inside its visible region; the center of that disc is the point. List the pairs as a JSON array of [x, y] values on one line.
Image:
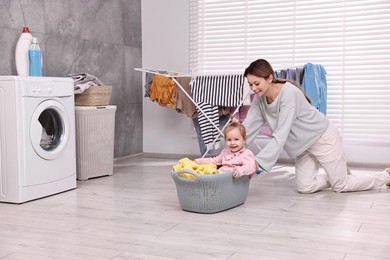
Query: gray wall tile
[[128, 129], [132, 23], [8, 40], [11, 13], [95, 20], [133, 59], [60, 55]]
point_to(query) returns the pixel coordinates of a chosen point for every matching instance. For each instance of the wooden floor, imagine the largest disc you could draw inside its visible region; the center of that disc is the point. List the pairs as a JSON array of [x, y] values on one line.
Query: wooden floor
[[135, 214]]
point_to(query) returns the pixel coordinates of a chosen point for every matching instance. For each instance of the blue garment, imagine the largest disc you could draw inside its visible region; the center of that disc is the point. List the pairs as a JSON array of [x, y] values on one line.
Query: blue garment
[[291, 74], [315, 86]]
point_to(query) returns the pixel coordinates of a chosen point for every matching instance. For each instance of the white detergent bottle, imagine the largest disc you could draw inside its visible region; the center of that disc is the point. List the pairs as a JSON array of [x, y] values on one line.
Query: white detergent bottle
[[21, 52]]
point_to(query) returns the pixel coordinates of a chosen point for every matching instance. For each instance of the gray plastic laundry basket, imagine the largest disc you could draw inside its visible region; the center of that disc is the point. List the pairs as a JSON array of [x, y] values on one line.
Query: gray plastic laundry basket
[[210, 193]]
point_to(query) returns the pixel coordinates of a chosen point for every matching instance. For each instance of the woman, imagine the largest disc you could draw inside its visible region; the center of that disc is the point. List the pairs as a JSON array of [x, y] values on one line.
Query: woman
[[304, 132]]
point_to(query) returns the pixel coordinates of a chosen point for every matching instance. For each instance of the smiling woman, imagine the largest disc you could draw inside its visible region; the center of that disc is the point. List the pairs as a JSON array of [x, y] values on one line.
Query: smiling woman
[[304, 132]]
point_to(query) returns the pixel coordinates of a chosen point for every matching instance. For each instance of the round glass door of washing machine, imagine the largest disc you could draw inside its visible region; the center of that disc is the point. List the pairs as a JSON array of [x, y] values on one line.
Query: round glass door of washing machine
[[49, 129]]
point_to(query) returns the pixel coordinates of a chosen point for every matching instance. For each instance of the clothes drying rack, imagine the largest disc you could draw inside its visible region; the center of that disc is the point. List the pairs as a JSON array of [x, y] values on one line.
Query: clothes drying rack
[[173, 75]]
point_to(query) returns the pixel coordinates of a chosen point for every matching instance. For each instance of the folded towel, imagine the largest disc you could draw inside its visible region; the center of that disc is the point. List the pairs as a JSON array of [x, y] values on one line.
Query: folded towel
[[80, 88], [82, 81]]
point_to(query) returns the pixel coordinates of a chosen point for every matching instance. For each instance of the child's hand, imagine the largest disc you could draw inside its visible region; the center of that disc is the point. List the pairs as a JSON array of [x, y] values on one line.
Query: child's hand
[[236, 174], [234, 119], [257, 165]]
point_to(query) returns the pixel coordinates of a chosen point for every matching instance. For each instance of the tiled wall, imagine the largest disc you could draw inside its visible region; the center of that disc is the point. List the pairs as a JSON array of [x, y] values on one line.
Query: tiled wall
[[99, 37]]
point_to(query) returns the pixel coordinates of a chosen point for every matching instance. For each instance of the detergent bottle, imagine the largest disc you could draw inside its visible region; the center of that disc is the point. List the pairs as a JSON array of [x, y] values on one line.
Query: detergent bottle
[[21, 52], [35, 57]]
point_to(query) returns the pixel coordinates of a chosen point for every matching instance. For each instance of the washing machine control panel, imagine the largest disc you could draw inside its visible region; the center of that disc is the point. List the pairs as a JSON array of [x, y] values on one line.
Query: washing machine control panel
[[47, 88], [38, 89]]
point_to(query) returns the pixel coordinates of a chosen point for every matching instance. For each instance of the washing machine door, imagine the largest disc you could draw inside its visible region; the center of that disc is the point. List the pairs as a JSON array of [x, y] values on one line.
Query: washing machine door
[[49, 130]]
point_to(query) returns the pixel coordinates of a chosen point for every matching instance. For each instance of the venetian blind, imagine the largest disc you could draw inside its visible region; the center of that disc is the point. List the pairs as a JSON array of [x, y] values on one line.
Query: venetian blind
[[351, 39]]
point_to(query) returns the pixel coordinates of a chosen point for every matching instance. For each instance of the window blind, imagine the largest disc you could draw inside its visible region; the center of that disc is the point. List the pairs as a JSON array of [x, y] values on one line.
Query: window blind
[[351, 39]]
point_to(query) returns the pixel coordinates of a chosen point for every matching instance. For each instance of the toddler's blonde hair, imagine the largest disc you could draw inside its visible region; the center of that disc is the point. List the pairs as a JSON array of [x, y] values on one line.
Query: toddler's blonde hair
[[234, 125]]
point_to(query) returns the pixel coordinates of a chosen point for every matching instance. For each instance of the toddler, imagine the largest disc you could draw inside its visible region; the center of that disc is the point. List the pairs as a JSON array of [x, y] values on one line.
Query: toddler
[[234, 158]]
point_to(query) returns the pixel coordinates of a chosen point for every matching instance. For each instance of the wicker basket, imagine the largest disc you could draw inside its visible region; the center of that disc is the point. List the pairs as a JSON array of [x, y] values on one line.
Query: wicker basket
[[94, 96], [210, 193]]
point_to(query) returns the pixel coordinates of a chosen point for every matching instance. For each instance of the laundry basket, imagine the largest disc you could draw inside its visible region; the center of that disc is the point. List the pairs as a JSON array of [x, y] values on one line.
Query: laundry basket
[[95, 130], [210, 193]]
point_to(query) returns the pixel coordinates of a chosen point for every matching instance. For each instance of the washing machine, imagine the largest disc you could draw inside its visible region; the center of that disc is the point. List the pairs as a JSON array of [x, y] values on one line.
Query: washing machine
[[37, 137]]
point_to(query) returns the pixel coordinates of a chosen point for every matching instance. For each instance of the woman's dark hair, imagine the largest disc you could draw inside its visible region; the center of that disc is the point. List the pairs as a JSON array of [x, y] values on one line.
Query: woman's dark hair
[[263, 69]]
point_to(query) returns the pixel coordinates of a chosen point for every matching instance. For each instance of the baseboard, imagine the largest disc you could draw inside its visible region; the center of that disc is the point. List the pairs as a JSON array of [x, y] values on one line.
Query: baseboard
[[180, 156], [157, 156], [285, 161], [170, 155], [124, 158]]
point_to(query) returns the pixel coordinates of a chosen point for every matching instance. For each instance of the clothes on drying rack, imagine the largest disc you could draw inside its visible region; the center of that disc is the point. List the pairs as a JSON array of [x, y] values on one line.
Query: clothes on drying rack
[[182, 103], [315, 86], [162, 91], [299, 74], [312, 78], [295, 74], [210, 92], [149, 80], [206, 95], [223, 119]]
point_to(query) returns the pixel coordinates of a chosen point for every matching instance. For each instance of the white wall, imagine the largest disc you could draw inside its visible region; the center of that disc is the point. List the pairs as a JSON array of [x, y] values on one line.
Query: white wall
[[367, 153], [165, 45]]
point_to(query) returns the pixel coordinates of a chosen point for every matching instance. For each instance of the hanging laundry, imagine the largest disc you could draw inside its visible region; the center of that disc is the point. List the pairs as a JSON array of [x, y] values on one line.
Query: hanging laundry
[[291, 74], [299, 73], [182, 103], [162, 90], [223, 119], [312, 78], [149, 80], [315, 86], [209, 92]]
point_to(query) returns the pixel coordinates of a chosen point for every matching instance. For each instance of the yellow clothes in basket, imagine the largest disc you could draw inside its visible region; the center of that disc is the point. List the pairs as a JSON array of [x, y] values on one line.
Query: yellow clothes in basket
[[187, 164]]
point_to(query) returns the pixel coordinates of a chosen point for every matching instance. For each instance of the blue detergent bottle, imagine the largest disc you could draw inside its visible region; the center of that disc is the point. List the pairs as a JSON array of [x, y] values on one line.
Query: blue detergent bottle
[[35, 57]]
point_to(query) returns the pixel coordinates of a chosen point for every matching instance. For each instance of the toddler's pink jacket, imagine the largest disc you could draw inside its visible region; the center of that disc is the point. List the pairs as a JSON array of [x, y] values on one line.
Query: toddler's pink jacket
[[243, 161]]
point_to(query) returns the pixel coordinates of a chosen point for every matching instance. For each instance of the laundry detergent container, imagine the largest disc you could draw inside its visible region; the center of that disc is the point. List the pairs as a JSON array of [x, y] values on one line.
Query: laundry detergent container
[[95, 130]]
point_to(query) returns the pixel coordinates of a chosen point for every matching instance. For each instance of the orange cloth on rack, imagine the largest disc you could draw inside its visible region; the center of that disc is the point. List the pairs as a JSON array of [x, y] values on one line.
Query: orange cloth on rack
[[162, 91]]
